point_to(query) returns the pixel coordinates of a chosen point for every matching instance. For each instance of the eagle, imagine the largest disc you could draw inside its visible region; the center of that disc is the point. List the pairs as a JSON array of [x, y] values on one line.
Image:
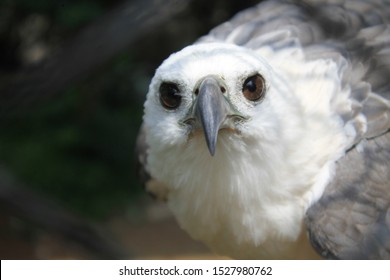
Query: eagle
[[268, 138]]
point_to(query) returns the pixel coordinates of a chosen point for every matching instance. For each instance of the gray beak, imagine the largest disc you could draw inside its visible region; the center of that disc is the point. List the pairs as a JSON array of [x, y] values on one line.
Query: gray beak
[[211, 109]]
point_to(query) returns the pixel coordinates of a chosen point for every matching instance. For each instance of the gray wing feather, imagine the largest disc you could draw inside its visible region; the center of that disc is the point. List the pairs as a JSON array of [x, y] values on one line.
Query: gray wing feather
[[352, 219]]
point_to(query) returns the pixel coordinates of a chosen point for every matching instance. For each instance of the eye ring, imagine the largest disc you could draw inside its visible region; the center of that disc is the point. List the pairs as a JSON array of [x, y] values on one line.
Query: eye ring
[[170, 97], [253, 88]]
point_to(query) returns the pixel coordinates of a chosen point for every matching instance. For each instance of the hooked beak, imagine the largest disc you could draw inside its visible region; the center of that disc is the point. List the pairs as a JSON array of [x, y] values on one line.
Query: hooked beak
[[212, 109]]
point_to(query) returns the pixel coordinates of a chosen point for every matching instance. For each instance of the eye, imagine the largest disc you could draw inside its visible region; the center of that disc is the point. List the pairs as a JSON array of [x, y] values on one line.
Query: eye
[[170, 97], [254, 88]]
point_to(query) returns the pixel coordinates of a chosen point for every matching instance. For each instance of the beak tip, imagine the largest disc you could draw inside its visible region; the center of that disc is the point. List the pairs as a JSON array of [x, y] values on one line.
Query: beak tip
[[211, 140], [212, 151]]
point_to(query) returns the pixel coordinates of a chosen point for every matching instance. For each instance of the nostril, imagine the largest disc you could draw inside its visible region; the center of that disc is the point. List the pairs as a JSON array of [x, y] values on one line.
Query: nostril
[[196, 91], [223, 90]]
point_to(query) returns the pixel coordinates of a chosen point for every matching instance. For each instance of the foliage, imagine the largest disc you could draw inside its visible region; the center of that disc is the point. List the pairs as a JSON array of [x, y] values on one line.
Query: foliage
[[79, 147]]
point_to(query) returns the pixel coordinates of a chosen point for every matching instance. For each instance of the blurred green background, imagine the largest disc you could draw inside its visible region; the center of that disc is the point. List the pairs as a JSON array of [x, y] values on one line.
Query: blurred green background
[[71, 102]]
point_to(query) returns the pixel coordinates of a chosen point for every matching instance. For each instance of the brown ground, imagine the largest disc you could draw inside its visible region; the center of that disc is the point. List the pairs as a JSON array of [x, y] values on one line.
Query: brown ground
[[149, 232]]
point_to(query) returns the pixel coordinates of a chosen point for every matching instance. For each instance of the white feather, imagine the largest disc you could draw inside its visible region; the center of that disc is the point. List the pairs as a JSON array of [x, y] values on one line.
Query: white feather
[[249, 200]]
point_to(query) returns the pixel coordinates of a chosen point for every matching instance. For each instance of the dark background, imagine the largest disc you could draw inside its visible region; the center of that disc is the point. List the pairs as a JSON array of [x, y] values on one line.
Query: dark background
[[73, 77]]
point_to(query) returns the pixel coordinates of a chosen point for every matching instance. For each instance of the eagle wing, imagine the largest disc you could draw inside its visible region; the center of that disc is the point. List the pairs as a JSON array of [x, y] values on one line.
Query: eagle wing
[[352, 218]]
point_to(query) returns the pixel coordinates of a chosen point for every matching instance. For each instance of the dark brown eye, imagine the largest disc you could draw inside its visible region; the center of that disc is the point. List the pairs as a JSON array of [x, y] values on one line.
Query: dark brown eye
[[170, 97], [254, 88]]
